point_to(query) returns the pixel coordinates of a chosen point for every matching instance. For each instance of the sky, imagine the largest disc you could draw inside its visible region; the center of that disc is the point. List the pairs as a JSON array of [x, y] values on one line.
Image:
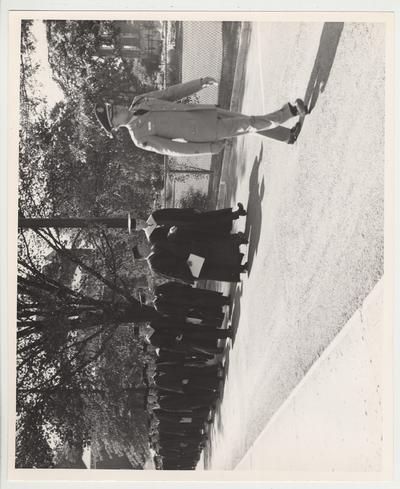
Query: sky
[[46, 85]]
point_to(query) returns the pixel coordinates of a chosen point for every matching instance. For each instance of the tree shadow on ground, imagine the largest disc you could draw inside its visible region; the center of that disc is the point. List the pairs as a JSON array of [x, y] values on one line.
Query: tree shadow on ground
[[325, 57], [254, 210]]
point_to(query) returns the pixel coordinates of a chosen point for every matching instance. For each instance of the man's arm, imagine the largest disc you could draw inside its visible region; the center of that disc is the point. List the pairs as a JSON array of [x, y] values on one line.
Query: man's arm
[[179, 91], [169, 147]]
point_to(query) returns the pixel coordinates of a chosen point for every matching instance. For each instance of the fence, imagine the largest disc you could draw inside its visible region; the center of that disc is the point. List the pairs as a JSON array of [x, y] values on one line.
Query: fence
[[199, 49]]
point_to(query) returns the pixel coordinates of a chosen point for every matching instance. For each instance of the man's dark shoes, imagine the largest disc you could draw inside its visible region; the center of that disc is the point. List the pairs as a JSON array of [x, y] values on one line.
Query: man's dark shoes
[[241, 210], [242, 238], [294, 133], [299, 108]]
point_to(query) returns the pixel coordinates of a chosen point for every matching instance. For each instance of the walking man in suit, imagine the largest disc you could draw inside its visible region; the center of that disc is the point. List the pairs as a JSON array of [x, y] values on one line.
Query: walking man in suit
[[156, 122]]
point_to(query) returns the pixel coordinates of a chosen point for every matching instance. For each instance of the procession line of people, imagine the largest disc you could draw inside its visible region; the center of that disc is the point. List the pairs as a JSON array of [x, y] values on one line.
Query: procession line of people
[[189, 245], [188, 374]]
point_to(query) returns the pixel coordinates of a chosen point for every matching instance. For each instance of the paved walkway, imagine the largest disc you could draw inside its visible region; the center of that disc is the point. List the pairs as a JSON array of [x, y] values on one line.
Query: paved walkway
[[332, 421], [315, 217]]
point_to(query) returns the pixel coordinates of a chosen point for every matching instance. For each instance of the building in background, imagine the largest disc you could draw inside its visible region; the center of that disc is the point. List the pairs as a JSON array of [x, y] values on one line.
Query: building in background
[[140, 40]]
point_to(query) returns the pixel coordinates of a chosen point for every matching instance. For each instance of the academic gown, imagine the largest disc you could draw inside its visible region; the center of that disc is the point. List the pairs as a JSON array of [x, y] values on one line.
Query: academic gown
[[222, 260], [191, 295], [198, 414], [183, 383], [180, 402], [178, 322], [190, 341], [218, 222], [206, 371], [176, 307], [196, 334]]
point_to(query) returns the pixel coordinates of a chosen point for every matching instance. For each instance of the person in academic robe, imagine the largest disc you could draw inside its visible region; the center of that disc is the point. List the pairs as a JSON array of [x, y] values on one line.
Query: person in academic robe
[[180, 322], [193, 418], [179, 420], [196, 313], [175, 441], [192, 341], [208, 371], [191, 295], [179, 430], [177, 308], [221, 261], [181, 357], [201, 223], [182, 402], [193, 355], [185, 384]]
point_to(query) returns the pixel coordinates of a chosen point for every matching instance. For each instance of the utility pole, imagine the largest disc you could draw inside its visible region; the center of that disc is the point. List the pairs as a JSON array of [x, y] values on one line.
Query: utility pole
[[197, 171], [76, 222]]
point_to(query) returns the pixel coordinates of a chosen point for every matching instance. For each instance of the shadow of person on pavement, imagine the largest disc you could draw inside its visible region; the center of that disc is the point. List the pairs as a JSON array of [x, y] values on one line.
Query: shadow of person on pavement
[[235, 316], [254, 210], [325, 57]]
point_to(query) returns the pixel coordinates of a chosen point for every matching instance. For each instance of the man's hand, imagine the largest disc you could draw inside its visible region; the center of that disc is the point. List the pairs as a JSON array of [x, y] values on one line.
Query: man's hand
[[217, 146], [208, 82]]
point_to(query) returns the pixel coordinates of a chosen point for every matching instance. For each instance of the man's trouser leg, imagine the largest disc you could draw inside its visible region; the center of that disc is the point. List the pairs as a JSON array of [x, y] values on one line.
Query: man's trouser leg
[[231, 124], [278, 133]]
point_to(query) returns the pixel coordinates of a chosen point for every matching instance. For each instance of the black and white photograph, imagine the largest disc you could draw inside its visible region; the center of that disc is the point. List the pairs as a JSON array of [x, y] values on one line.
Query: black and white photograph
[[204, 253]]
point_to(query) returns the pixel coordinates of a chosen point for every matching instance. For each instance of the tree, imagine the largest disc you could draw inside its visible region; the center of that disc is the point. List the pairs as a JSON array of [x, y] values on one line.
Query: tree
[[66, 161], [70, 382], [79, 360]]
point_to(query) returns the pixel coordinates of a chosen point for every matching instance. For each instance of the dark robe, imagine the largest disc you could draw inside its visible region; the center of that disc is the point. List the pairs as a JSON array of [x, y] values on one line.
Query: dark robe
[[175, 305], [181, 418], [181, 402], [219, 251], [218, 222], [180, 430], [221, 262], [180, 234], [159, 234], [164, 339], [175, 420], [167, 357], [179, 322], [200, 334], [206, 371], [191, 295], [175, 442], [170, 265], [191, 355], [179, 358], [177, 383]]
